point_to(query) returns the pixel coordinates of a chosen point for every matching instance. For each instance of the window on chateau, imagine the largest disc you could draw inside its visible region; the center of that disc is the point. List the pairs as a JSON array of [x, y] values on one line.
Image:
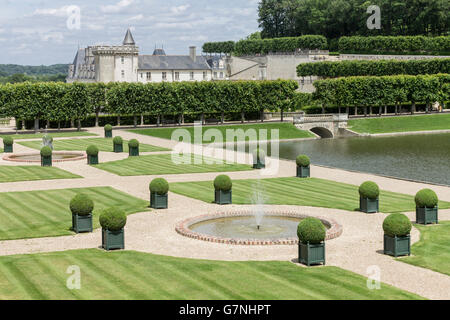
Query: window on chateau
[[142, 75], [123, 74], [205, 75], [123, 60], [215, 74], [192, 76], [149, 76], [221, 75], [177, 76], [164, 75]]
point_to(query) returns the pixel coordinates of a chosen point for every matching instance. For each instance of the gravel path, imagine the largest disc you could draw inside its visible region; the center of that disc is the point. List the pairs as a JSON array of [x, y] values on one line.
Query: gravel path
[[359, 247]]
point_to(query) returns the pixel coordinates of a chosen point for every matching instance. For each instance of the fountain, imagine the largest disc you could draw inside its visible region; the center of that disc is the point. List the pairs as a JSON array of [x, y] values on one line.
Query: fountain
[[258, 202]]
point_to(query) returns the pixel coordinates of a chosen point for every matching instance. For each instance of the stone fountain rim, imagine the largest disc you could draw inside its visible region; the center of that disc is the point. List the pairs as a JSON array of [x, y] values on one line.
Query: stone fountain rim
[[183, 228], [10, 157]]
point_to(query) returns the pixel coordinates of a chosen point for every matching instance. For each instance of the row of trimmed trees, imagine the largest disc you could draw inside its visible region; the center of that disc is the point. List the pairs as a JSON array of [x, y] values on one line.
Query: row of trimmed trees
[[77, 101]]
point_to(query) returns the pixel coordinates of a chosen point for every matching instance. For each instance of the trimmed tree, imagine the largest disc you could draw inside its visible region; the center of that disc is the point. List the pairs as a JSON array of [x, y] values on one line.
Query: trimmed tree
[[311, 234], [133, 147], [118, 144], [303, 166], [397, 239], [223, 192], [92, 154], [46, 156], [113, 221], [108, 131], [81, 207], [427, 207], [8, 143], [369, 193], [159, 189]]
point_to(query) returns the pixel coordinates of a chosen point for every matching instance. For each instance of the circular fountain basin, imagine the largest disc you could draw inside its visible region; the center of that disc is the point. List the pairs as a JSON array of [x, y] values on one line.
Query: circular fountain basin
[[36, 157], [240, 228]]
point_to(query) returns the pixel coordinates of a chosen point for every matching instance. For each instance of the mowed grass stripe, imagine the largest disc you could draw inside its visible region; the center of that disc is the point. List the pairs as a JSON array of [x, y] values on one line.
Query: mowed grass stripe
[[163, 164], [117, 275], [46, 213], [33, 173], [302, 192], [103, 144], [53, 134]]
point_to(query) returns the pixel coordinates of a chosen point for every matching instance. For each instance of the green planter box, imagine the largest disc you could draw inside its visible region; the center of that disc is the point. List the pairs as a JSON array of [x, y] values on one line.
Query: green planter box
[[7, 148], [46, 161], [369, 205], [259, 165], [112, 240], [223, 197], [303, 172], [159, 201], [311, 254], [82, 223], [108, 134], [427, 215], [397, 246], [118, 148], [92, 159], [134, 152]]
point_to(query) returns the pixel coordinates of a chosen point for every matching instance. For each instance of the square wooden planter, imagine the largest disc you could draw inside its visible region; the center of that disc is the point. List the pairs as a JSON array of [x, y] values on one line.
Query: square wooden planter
[[303, 172], [92, 159], [159, 201], [108, 134], [223, 197], [369, 205], [311, 254], [46, 161], [8, 148], [427, 215], [397, 246], [118, 148], [82, 223], [134, 152], [112, 240]]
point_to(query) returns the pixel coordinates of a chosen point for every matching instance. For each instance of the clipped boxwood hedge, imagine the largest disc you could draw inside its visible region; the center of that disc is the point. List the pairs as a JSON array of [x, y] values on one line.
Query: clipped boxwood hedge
[[8, 141], [159, 186], [81, 205], [426, 198], [117, 140], [133, 143], [311, 230], [369, 190], [223, 183], [108, 127], [92, 150], [46, 151], [397, 224], [113, 219], [303, 161]]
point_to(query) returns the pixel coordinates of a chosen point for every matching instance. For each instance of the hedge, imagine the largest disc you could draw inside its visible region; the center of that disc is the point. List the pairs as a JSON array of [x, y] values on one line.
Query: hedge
[[397, 224], [219, 47], [81, 205], [311, 230], [331, 69], [92, 150], [426, 198], [46, 151], [159, 186], [113, 219], [369, 190], [395, 45], [303, 161], [223, 183]]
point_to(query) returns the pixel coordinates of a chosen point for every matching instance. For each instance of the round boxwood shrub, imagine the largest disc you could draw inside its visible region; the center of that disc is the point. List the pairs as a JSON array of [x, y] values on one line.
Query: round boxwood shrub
[[113, 219], [46, 151], [108, 127], [369, 190], [81, 205], [303, 161], [426, 198], [159, 186], [133, 143], [259, 155], [223, 183], [8, 141], [117, 140], [92, 150], [311, 230], [397, 224]]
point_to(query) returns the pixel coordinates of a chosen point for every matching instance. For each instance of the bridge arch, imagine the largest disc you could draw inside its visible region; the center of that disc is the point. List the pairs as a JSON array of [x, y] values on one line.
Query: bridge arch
[[322, 132]]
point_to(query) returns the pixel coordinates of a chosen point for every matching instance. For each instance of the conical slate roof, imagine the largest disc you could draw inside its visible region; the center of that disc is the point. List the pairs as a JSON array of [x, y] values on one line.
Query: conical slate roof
[[128, 41]]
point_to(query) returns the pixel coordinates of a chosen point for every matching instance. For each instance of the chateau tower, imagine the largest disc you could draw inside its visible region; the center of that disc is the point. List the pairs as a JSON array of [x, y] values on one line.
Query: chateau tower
[[117, 63]]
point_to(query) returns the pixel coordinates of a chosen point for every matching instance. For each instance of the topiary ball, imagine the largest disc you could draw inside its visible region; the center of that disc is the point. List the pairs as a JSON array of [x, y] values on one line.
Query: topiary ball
[[133, 143], [311, 230], [117, 140], [159, 186], [92, 150], [259, 155], [303, 161], [81, 205], [8, 141], [108, 127], [369, 190], [46, 151], [223, 183], [426, 198], [113, 219], [397, 224]]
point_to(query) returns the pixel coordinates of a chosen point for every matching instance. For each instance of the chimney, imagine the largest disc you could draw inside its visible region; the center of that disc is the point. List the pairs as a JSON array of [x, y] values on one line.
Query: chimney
[[193, 53]]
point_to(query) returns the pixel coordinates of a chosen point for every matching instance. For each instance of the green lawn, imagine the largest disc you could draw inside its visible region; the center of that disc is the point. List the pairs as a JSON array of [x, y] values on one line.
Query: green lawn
[[432, 251], [81, 145], [401, 124], [128, 275], [163, 164], [36, 214], [31, 173], [286, 131], [301, 192], [53, 134]]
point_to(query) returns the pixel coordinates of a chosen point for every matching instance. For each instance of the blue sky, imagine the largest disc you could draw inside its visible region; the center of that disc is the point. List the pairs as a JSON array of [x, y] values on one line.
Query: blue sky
[[35, 32]]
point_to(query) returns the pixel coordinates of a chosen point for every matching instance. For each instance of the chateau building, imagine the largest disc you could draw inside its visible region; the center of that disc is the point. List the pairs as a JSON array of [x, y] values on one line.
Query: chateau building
[[123, 63]]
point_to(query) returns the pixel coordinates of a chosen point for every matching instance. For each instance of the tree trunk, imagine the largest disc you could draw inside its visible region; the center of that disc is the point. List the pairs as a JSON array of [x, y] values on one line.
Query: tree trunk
[[59, 125], [282, 115], [396, 109], [262, 115], [323, 109], [365, 111], [96, 118], [242, 117], [158, 121], [78, 125], [222, 118], [182, 118], [135, 121], [356, 111], [370, 111], [413, 107], [202, 118], [347, 110], [142, 119], [385, 110], [36, 125], [48, 124], [380, 111], [72, 123], [118, 121]]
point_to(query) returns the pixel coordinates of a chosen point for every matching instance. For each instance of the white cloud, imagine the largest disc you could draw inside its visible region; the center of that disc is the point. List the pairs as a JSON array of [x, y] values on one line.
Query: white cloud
[[119, 6], [180, 9], [59, 12], [139, 17]]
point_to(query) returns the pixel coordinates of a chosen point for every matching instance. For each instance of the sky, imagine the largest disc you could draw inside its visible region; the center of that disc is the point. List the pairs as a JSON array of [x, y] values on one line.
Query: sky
[[44, 32]]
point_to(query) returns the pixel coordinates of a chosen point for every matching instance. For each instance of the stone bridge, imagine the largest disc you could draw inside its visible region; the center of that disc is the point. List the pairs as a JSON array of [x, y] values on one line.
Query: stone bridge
[[323, 125]]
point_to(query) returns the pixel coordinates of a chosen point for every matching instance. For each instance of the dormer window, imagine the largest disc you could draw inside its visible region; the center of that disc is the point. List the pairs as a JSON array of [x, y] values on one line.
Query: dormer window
[[122, 59]]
